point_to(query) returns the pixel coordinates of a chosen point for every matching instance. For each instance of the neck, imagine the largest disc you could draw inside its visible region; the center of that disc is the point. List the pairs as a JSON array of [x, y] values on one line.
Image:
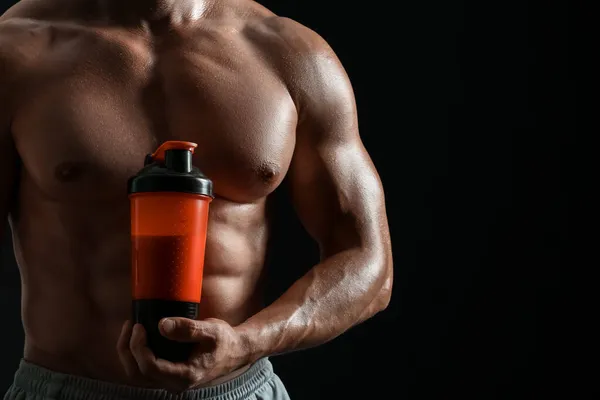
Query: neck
[[163, 12]]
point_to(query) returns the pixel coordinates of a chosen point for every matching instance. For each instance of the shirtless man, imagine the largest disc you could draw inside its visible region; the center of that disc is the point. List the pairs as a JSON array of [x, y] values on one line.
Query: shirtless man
[[87, 89]]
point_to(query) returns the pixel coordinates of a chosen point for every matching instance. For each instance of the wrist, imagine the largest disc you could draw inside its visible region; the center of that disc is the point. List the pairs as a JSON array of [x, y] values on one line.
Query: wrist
[[250, 338]]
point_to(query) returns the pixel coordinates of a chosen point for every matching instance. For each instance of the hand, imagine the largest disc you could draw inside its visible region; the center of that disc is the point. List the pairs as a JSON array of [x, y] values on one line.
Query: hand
[[218, 350]]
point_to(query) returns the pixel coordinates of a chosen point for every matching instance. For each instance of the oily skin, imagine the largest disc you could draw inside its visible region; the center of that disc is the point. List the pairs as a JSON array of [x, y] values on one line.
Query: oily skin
[[89, 87]]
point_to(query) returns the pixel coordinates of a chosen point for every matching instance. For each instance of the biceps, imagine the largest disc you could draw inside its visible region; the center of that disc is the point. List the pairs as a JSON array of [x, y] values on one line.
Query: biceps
[[337, 194]]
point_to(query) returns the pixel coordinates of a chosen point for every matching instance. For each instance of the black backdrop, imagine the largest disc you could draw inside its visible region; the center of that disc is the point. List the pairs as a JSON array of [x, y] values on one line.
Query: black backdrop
[[469, 112]]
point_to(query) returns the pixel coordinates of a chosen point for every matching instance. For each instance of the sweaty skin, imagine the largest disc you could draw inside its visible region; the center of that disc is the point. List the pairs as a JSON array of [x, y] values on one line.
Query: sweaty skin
[[88, 88]]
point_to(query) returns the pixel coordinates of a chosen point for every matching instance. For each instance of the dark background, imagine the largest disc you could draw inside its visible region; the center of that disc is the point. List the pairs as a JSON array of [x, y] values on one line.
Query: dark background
[[472, 114]]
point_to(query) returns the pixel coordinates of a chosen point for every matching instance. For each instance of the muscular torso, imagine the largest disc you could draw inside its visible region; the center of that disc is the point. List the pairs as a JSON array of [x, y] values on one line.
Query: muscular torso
[[93, 99]]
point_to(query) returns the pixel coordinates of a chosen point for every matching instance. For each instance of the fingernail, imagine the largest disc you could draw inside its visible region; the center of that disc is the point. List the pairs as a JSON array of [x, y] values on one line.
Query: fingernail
[[168, 325]]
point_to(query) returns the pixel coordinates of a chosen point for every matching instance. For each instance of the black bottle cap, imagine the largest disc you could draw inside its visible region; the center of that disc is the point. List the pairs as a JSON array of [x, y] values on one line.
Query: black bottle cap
[[170, 169]]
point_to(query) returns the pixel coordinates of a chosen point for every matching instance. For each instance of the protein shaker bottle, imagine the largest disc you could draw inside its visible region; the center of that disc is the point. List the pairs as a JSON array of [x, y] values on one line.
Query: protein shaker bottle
[[169, 215]]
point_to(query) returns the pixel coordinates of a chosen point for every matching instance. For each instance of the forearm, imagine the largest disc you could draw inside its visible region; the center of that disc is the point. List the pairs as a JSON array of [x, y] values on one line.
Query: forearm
[[343, 290]]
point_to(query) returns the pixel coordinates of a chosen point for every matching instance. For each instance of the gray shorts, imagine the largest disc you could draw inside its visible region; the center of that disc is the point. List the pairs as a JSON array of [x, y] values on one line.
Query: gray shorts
[[32, 382]]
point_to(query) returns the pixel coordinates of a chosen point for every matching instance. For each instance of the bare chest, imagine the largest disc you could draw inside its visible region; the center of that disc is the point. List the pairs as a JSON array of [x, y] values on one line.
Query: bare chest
[[98, 102]]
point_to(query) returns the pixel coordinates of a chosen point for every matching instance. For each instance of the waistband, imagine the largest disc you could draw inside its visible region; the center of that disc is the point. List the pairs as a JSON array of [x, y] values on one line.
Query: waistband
[[37, 380]]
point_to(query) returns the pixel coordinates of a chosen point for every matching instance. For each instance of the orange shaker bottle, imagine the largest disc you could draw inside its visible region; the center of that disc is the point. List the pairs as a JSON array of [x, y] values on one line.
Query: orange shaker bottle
[[169, 215]]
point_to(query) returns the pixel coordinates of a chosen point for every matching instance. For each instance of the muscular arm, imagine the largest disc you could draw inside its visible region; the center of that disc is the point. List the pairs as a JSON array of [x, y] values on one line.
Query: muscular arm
[[339, 198]]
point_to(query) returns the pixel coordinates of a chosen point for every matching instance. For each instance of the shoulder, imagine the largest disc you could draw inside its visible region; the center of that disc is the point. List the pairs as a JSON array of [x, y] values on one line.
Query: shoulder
[[297, 37], [24, 22], [306, 62], [26, 27], [284, 37], [20, 41], [14, 36], [49, 10]]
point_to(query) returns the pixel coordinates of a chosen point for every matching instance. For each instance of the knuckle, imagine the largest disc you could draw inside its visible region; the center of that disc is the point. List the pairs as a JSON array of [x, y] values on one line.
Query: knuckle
[[207, 360], [191, 329], [218, 330]]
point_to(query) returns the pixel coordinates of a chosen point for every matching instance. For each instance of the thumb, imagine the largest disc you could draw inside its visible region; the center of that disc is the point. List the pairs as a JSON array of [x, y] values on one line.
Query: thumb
[[183, 329]]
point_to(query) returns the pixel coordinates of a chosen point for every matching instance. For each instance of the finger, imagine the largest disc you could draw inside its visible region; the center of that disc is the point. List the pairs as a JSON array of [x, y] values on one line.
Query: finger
[[138, 345], [125, 355], [175, 376], [187, 330]]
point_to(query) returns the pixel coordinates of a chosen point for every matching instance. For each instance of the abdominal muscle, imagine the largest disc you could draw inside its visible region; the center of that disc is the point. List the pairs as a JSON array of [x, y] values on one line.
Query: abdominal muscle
[[77, 289]]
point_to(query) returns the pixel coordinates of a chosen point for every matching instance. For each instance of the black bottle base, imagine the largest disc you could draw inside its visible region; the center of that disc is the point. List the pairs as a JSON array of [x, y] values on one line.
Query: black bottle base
[[150, 312]]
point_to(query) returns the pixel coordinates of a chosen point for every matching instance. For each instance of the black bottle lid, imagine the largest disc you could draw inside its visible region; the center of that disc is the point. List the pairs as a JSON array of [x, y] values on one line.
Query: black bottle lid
[[170, 169]]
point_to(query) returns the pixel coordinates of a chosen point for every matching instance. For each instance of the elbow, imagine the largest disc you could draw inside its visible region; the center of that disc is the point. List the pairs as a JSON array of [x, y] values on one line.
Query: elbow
[[380, 257], [384, 295], [384, 292]]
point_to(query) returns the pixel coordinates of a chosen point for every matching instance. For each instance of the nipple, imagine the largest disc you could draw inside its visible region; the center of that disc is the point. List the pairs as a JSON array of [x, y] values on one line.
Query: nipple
[[69, 171]]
